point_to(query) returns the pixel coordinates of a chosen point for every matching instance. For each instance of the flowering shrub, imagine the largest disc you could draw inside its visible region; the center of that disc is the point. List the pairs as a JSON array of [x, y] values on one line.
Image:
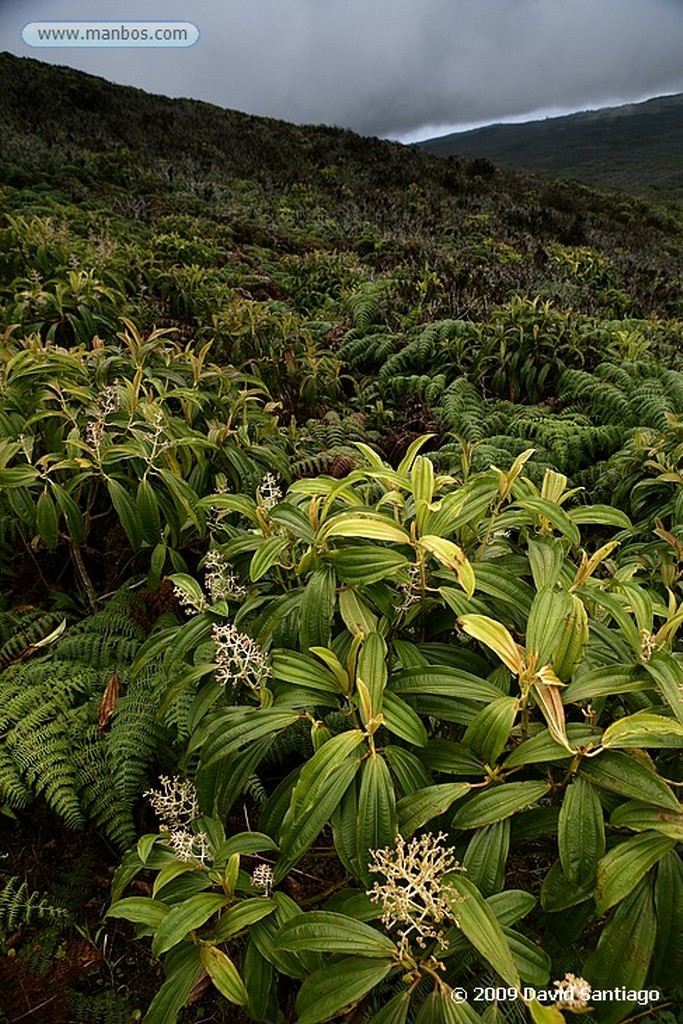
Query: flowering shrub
[[405, 680]]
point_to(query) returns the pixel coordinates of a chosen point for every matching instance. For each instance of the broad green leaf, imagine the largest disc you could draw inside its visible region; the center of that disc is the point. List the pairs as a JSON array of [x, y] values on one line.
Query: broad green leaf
[[501, 585], [326, 932], [169, 873], [240, 916], [259, 980], [18, 476], [304, 829], [303, 670], [317, 609], [544, 747], [615, 604], [266, 556], [335, 666], [337, 986], [486, 855], [393, 1012], [532, 963], [479, 924], [71, 512], [450, 757], [604, 682], [558, 893], [644, 730], [622, 868], [127, 513], [345, 826], [47, 523], [183, 970], [419, 807], [223, 974], [358, 617], [241, 503], [405, 465], [571, 646], [318, 767], [490, 730], [554, 515], [184, 918], [668, 954], [666, 673], [349, 525], [410, 772], [376, 826], [640, 817], [148, 510], [140, 909], [400, 719], [367, 564], [263, 933], [599, 515], [623, 774], [145, 844], [443, 681], [189, 588], [511, 906], [253, 725], [422, 480], [622, 958], [372, 669], [498, 803], [546, 621], [581, 832], [440, 1007], [546, 556], [497, 638]]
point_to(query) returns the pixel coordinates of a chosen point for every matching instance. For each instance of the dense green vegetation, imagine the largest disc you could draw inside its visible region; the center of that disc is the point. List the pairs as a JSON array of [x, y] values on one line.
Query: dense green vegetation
[[341, 548], [635, 148]]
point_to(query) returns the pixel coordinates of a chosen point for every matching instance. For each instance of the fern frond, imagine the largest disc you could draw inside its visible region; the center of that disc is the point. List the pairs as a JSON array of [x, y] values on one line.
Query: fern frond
[[19, 905]]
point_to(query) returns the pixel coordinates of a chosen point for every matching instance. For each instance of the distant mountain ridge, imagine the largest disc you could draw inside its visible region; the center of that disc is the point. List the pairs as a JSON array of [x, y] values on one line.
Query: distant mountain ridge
[[634, 148]]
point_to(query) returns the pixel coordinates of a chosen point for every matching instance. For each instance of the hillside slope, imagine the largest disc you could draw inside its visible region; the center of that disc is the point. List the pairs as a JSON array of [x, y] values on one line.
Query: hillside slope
[[635, 148]]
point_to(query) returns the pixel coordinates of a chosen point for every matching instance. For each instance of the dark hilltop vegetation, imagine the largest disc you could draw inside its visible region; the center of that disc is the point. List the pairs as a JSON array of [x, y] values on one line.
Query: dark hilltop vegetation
[[633, 148], [341, 549]]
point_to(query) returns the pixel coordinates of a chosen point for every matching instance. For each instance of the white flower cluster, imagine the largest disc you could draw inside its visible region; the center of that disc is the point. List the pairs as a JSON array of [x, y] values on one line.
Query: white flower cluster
[[238, 657], [409, 591], [108, 401], [269, 492], [648, 644], [220, 580], [575, 993], [176, 807], [262, 878], [412, 894]]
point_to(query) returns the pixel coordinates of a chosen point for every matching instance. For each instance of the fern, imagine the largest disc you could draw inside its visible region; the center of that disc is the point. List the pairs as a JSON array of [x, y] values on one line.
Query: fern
[[22, 630], [50, 743], [19, 906], [326, 446], [101, 1008], [365, 307]]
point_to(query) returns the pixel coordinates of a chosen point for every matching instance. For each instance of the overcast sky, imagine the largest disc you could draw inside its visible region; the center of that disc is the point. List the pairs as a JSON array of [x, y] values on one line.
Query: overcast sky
[[399, 68]]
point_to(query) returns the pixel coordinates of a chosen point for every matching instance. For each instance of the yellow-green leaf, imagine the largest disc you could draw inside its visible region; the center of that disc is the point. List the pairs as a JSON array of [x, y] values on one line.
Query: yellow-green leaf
[[223, 974], [497, 638], [644, 730]]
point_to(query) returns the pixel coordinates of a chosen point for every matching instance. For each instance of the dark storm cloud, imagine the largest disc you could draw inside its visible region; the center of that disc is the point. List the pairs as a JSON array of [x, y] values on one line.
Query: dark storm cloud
[[387, 67]]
